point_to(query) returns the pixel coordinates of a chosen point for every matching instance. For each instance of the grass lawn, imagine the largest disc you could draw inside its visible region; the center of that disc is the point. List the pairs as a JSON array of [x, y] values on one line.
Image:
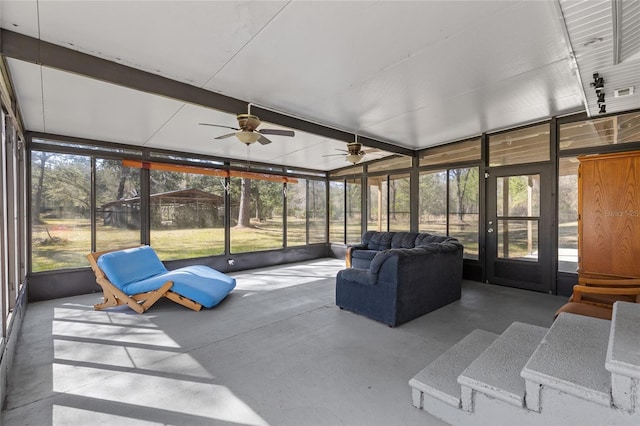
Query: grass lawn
[[64, 243]]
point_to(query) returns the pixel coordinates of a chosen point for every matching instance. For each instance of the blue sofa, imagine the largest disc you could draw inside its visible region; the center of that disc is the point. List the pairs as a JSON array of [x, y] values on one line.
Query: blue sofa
[[398, 276]]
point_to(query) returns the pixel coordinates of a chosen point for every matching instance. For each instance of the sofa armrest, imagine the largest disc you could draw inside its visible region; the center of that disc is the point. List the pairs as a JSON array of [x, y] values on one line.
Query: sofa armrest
[[361, 276], [350, 250], [357, 247]]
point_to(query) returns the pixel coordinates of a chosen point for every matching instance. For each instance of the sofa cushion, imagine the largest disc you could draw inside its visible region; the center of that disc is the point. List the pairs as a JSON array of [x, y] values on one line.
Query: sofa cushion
[[366, 237], [404, 240], [424, 238], [382, 256], [131, 265], [380, 241]]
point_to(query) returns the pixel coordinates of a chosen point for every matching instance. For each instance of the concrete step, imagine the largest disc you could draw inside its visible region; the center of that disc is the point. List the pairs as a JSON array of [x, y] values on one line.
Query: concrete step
[[439, 379], [496, 372], [571, 360], [623, 356]]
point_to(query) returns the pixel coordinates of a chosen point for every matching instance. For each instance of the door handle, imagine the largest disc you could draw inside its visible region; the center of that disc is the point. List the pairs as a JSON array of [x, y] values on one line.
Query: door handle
[[490, 230]]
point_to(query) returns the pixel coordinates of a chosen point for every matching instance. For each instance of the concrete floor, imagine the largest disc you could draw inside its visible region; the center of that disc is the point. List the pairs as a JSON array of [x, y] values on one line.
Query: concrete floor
[[276, 351]]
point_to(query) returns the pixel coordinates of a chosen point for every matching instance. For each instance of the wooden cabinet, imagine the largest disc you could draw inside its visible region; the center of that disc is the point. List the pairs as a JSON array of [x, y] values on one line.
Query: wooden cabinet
[[609, 215]]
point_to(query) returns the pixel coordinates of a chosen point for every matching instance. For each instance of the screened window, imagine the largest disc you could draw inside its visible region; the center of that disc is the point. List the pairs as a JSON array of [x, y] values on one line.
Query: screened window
[[317, 211], [297, 213], [599, 132], [395, 163], [452, 153], [399, 202], [61, 210], [187, 214], [528, 145], [450, 205], [13, 227], [433, 202], [354, 211], [256, 215], [117, 205], [336, 211], [464, 208], [377, 203], [568, 214]]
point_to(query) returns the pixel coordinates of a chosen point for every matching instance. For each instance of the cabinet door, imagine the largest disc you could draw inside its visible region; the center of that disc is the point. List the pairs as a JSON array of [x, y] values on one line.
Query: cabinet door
[[609, 215]]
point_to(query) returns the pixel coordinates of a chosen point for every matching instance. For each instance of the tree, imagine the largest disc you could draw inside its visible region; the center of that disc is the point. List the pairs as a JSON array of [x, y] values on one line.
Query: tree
[[268, 197], [124, 174], [336, 200], [297, 199], [61, 180], [244, 211], [69, 182], [463, 189], [39, 163], [354, 197], [433, 194]]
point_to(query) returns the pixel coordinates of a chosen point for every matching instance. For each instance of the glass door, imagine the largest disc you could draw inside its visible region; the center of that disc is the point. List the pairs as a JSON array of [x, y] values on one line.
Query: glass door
[[519, 227]]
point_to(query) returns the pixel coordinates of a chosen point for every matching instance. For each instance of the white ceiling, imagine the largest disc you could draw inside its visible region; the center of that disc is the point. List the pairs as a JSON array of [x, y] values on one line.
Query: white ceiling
[[414, 74]]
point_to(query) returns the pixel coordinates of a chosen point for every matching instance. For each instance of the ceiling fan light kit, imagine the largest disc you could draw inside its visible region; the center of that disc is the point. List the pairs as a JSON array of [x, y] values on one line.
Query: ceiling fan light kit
[[353, 158], [247, 137], [247, 133], [354, 152]]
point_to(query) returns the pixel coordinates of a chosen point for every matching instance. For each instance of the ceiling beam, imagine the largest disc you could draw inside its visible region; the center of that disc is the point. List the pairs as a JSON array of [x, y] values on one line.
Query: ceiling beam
[[33, 50], [310, 127], [29, 49]]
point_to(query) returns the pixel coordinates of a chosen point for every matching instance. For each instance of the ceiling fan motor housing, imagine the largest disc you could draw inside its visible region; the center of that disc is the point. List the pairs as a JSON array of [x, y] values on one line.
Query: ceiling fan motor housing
[[354, 148], [248, 122]]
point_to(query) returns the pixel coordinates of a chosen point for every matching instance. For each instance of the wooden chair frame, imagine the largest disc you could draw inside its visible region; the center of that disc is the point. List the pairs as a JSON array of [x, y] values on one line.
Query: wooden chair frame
[[348, 255], [141, 302], [595, 296], [612, 288]]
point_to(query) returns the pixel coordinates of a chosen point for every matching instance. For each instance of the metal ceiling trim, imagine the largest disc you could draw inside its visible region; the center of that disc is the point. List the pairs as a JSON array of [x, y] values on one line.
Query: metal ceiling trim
[[616, 17], [572, 54], [8, 99]]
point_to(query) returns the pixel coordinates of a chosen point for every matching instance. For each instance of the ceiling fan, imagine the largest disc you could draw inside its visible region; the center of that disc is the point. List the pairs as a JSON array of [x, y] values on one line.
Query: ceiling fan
[[247, 132], [354, 152]]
